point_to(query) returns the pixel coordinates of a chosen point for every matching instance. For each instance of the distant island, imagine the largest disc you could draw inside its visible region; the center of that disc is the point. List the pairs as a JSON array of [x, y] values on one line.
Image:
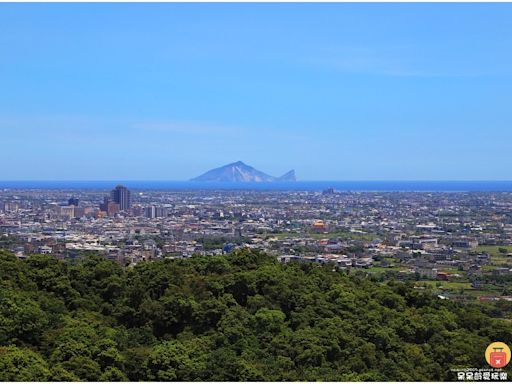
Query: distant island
[[240, 172]]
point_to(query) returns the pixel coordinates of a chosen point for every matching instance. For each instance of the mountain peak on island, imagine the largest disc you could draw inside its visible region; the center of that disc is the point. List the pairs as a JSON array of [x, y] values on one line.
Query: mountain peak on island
[[288, 176], [239, 172]]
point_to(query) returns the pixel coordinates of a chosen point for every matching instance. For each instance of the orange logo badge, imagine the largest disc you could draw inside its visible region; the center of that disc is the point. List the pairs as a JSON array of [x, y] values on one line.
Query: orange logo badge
[[497, 355]]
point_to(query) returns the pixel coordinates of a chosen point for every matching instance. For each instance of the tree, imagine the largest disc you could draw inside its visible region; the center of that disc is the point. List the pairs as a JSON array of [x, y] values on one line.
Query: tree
[[242, 316], [13, 272], [177, 361], [60, 374], [113, 374], [22, 364], [50, 275], [83, 367], [21, 318], [269, 320]]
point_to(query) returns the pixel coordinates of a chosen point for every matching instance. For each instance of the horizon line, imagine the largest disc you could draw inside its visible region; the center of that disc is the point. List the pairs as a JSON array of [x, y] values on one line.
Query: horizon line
[[254, 182]]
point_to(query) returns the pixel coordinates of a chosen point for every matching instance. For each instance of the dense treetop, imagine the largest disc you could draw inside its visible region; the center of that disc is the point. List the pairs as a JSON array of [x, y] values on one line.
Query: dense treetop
[[242, 316]]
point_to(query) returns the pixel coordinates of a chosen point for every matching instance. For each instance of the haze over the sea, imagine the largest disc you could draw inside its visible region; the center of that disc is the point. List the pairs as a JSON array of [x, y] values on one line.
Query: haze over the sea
[[342, 186]]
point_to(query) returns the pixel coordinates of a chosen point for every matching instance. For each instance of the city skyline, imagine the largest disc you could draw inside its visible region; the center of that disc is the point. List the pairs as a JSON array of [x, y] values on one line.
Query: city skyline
[[334, 91]]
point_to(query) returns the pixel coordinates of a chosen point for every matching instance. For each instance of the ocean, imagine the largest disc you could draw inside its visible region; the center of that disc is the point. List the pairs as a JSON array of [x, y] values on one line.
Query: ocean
[[382, 186]]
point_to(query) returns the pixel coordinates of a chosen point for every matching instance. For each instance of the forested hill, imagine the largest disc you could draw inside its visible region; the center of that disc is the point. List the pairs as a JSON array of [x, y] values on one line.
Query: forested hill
[[237, 317]]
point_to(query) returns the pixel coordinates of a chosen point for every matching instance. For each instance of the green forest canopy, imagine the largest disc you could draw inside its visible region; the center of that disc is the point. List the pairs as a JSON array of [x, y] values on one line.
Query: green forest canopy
[[242, 316]]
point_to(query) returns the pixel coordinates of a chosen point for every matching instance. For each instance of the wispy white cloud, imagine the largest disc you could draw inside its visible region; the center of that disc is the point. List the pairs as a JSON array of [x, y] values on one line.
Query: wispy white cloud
[[395, 61], [111, 125], [185, 128], [105, 132]]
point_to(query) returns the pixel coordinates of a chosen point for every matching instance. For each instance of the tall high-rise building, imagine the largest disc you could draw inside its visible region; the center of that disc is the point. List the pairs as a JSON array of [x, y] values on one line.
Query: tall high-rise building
[[122, 196], [11, 206], [152, 212], [73, 201], [104, 205], [67, 211], [109, 206]]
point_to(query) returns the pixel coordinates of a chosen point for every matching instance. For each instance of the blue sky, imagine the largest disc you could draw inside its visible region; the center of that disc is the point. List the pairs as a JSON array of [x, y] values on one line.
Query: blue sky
[[336, 91]]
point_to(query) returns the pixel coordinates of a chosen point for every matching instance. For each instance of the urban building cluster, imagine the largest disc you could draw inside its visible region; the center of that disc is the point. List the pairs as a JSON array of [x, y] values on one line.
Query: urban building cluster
[[460, 242]]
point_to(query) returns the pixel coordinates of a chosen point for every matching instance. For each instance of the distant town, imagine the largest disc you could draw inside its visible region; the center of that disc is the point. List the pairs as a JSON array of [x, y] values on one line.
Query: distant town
[[459, 244]]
